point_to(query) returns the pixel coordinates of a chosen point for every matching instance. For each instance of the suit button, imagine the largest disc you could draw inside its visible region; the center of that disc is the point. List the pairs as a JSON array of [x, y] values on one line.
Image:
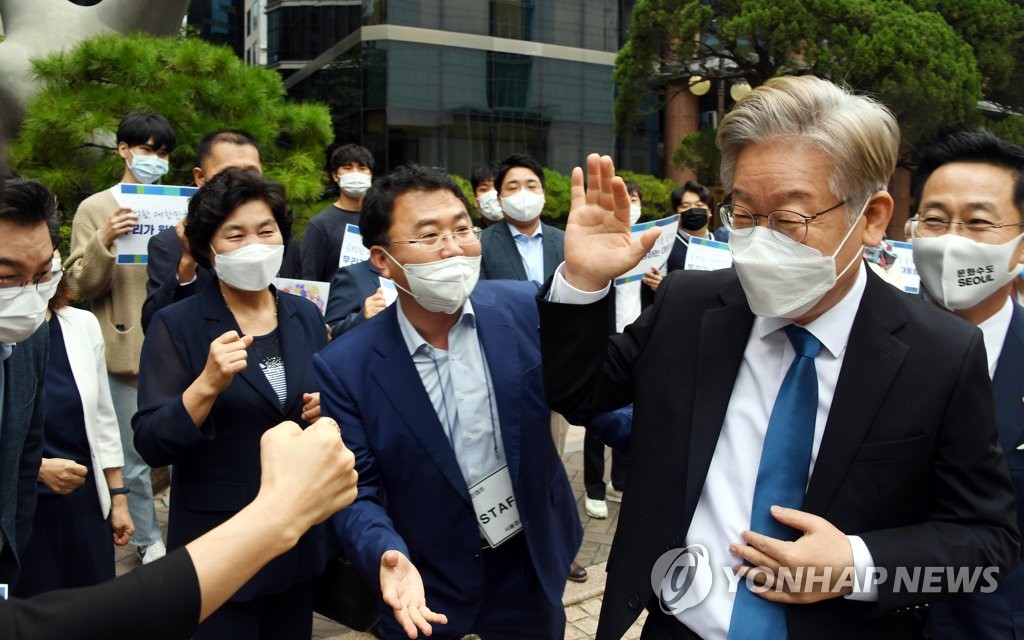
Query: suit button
[[634, 602], [476, 556]]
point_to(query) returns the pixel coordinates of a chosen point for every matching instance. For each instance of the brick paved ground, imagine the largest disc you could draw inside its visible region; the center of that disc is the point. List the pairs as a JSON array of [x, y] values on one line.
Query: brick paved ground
[[582, 601]]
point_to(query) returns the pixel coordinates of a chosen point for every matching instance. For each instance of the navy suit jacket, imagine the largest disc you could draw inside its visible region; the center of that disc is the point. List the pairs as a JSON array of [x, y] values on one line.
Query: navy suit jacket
[[21, 446], [909, 459], [500, 257], [412, 495], [162, 286], [350, 288], [997, 615], [217, 465]]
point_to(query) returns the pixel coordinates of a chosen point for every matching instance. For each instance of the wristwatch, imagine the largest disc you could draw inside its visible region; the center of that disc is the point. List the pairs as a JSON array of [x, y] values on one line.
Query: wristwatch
[[119, 491]]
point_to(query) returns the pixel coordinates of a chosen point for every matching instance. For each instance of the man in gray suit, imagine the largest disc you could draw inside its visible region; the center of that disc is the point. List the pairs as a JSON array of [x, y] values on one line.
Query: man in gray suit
[[27, 282], [523, 247]]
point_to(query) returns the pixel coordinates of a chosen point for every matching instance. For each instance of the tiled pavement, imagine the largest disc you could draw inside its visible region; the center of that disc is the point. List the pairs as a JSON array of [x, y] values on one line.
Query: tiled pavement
[[582, 601]]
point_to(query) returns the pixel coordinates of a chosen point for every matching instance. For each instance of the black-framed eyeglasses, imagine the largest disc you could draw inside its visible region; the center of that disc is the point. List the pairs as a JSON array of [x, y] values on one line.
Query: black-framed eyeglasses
[[785, 225], [436, 241], [11, 287], [930, 224]]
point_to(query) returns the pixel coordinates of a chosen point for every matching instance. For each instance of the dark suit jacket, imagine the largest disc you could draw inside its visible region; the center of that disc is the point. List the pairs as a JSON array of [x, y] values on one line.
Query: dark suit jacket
[[412, 496], [21, 446], [121, 608], [500, 257], [217, 465], [997, 615], [162, 286], [909, 459], [350, 288]]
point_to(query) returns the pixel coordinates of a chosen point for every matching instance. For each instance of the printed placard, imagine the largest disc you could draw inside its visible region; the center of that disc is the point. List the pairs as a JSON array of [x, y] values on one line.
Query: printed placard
[[704, 254], [905, 258], [315, 291], [658, 255], [352, 249], [158, 207]]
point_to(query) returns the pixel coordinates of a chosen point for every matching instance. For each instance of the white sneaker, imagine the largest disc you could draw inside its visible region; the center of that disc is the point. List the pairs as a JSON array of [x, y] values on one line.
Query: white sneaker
[[596, 508], [152, 552], [611, 494]]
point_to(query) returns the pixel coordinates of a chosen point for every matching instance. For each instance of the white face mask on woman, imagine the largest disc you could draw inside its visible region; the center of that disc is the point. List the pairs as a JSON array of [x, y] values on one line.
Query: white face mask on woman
[[959, 272], [250, 268], [785, 279], [442, 286]]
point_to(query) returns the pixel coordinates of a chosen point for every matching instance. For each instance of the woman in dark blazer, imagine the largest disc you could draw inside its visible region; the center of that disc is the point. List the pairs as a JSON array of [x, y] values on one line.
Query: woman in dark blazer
[[220, 368]]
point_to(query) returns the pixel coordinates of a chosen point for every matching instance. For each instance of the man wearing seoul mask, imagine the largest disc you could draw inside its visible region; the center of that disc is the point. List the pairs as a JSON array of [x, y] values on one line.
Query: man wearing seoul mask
[[351, 168], [465, 520], [968, 249], [27, 282], [524, 248], [785, 412], [116, 293]]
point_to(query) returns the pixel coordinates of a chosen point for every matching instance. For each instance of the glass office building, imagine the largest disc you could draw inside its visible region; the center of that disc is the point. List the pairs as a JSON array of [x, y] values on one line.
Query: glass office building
[[455, 83]]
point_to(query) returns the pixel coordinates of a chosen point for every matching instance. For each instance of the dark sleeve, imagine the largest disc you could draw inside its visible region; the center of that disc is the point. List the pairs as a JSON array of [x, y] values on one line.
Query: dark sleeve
[[344, 303], [162, 287], [314, 248], [163, 428], [292, 265], [159, 601], [972, 519]]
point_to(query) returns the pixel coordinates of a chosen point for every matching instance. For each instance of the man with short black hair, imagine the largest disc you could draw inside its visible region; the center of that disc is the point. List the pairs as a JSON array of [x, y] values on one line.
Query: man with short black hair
[[968, 250], [351, 168], [524, 248], [116, 293], [28, 211]]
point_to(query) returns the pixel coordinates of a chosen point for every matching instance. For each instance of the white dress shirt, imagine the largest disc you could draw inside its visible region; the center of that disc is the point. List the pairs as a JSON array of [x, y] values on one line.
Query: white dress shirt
[[994, 330], [723, 510]]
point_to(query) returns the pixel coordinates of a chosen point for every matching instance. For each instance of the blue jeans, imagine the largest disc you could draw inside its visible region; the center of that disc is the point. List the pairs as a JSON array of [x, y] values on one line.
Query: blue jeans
[[124, 391]]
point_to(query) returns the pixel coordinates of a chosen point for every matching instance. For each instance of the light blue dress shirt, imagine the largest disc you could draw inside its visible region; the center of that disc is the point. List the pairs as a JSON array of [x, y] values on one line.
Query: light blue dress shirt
[[531, 250], [465, 408]]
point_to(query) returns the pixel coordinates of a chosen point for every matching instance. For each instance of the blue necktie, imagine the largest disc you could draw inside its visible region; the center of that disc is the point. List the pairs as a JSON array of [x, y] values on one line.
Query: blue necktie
[[781, 480]]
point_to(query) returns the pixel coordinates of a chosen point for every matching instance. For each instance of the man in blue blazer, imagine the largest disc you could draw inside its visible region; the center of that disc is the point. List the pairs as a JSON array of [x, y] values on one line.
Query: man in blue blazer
[[465, 520], [523, 247], [968, 250], [27, 281]]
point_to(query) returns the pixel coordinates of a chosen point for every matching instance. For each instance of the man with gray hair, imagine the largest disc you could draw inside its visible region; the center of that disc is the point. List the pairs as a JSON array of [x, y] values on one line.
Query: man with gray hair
[[838, 438]]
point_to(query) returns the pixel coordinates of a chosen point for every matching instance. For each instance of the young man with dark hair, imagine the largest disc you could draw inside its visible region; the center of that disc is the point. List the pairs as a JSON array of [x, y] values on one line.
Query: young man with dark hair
[[27, 282], [482, 181], [968, 250], [116, 293], [351, 167], [524, 248]]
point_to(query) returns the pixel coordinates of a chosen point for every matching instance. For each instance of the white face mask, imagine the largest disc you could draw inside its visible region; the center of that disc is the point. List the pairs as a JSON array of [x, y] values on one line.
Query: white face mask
[[23, 314], [354, 183], [959, 272], [785, 279], [634, 212], [489, 206], [251, 268], [442, 286], [523, 205]]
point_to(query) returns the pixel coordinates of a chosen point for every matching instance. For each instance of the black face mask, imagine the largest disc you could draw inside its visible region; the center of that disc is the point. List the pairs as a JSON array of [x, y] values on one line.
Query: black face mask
[[693, 219]]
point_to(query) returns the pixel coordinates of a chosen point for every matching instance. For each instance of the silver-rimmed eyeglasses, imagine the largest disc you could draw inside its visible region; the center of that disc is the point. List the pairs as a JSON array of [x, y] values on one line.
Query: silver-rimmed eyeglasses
[[788, 226], [11, 287], [436, 241]]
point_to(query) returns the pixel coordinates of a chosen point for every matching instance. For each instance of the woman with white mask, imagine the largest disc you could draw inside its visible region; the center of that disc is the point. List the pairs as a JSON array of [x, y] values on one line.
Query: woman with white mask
[[220, 368]]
